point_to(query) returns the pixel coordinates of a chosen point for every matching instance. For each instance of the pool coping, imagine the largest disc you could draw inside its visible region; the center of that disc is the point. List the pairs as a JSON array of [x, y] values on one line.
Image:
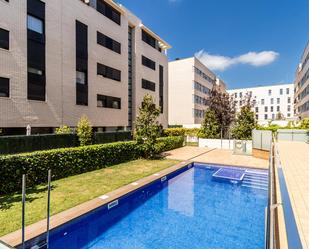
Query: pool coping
[[39, 228]]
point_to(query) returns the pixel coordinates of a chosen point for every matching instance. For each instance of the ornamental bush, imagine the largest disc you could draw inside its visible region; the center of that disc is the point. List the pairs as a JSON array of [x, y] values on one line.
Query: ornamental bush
[[84, 131], [70, 161], [181, 132]]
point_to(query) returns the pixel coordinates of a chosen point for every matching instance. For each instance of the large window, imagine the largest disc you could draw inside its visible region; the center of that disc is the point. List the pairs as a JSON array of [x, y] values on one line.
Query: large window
[[81, 43], [148, 63], [108, 102], [108, 42], [4, 39], [35, 24], [36, 89], [108, 11], [146, 84], [108, 72], [4, 87]]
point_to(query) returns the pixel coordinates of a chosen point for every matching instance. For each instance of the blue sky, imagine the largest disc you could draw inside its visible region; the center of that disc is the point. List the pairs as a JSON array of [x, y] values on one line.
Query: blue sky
[[246, 42]]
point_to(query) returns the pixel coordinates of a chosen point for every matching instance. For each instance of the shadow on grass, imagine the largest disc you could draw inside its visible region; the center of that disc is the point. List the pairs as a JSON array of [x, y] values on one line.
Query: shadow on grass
[[34, 193]]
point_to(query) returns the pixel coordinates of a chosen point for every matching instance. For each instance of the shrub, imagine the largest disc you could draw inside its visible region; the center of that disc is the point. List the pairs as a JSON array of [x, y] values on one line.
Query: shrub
[[110, 137], [62, 162], [169, 143], [304, 124], [181, 132], [84, 131], [21, 144], [71, 161], [64, 129]]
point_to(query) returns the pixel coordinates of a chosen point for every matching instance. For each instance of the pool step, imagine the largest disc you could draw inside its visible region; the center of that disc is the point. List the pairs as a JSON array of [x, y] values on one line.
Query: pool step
[[256, 180]]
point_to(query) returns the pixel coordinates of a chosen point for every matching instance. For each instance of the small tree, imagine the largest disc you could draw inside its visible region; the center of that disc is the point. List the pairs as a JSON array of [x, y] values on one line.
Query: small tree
[[224, 109], [304, 124], [280, 116], [210, 127], [84, 131], [147, 128], [245, 123], [64, 129]]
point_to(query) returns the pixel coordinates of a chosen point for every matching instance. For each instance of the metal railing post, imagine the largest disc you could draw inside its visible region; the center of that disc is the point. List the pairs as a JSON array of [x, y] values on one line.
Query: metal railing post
[[48, 208], [23, 211]]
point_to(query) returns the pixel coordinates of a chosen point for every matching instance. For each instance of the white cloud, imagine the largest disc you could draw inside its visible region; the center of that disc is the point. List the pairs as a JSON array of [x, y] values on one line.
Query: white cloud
[[221, 63]]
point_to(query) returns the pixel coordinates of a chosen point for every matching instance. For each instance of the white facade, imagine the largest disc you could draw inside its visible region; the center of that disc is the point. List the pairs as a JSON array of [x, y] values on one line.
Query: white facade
[[268, 101], [190, 83]]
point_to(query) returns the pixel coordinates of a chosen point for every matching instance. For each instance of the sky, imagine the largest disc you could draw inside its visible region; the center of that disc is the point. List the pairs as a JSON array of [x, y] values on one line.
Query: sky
[[245, 42]]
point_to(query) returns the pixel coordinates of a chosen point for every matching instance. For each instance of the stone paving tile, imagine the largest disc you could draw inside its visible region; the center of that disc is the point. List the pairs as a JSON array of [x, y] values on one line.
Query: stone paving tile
[[216, 156], [294, 157]]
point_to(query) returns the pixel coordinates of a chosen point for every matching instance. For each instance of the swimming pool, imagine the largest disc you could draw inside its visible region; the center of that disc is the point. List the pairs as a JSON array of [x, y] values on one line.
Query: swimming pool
[[189, 209]]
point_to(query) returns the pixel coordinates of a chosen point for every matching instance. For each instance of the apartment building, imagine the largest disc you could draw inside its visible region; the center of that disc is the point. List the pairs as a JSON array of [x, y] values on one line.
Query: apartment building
[[269, 102], [190, 83], [301, 85], [62, 59]]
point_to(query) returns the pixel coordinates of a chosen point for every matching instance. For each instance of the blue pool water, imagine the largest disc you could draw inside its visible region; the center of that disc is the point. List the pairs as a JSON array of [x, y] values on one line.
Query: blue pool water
[[190, 210]]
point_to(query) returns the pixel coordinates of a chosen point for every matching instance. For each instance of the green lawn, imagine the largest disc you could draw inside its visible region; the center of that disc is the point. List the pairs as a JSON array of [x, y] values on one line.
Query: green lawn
[[74, 190]]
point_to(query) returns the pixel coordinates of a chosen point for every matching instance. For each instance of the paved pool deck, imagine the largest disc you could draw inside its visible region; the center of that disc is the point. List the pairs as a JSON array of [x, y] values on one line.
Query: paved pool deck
[[216, 156], [294, 157]]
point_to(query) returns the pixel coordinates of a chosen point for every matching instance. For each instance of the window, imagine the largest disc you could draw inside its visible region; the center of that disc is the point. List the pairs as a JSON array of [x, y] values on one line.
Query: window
[[265, 116], [4, 87], [240, 95], [278, 108], [147, 38], [269, 92], [148, 63], [235, 95], [35, 71], [108, 72], [109, 11], [288, 91], [256, 109], [81, 43], [81, 78], [272, 109], [271, 101], [108, 42], [161, 88], [256, 116], [108, 102], [278, 100], [289, 115], [35, 24], [289, 108], [289, 100], [266, 109], [273, 116], [262, 101], [146, 84], [281, 91], [4, 39]]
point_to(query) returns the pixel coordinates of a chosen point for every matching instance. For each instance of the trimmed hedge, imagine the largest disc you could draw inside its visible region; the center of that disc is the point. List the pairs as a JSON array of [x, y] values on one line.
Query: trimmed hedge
[[109, 137], [70, 161], [169, 143], [181, 131], [22, 144]]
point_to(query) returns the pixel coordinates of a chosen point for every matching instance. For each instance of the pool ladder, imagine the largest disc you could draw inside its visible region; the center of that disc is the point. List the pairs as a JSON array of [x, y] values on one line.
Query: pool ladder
[[46, 242]]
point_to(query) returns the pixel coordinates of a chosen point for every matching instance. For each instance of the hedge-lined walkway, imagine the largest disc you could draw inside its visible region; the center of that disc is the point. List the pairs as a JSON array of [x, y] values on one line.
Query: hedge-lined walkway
[[74, 190]]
